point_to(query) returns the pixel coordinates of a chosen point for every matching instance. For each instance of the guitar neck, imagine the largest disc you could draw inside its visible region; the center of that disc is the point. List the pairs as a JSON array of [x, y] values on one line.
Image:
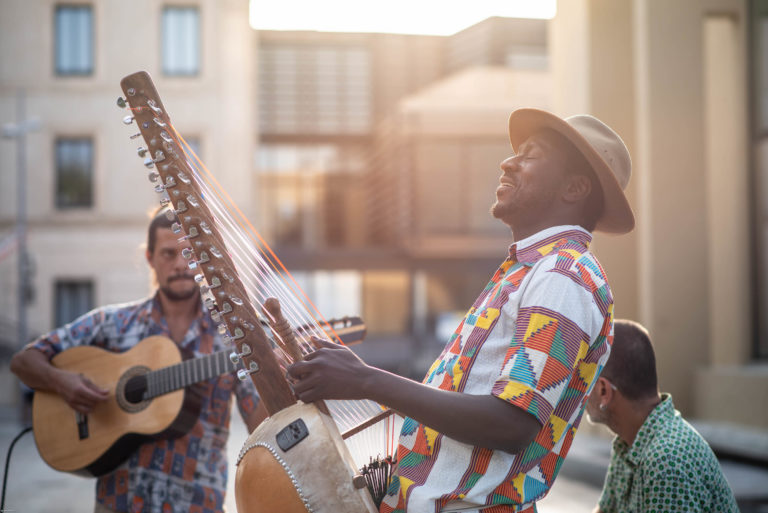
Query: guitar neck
[[349, 330], [188, 372]]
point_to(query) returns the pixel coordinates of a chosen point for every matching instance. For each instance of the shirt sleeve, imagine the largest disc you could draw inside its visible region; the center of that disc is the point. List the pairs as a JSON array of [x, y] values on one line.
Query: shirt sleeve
[[85, 330], [557, 321]]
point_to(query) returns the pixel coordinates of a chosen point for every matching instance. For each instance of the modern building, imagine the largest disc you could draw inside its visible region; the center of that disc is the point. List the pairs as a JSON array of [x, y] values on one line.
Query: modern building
[[377, 158], [685, 83]]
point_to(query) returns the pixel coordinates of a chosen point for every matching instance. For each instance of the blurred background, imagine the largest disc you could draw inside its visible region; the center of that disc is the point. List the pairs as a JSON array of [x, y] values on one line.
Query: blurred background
[[367, 154]]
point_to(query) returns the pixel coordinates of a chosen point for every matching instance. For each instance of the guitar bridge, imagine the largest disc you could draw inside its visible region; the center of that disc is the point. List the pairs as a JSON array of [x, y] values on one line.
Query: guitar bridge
[[82, 425]]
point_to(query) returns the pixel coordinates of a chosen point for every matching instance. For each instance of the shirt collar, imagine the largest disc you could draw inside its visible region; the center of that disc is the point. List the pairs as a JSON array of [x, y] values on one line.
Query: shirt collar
[[659, 416], [531, 249]]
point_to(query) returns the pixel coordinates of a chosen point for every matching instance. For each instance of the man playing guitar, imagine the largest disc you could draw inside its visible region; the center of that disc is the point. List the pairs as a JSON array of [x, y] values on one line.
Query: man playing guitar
[[187, 473]]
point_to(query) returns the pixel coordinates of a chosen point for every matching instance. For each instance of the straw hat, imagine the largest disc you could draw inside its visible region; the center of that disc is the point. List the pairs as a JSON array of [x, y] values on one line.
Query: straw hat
[[601, 146]]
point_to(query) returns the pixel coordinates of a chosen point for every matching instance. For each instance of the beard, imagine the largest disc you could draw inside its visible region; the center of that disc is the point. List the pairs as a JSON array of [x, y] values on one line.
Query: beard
[[501, 211], [522, 207], [179, 295]]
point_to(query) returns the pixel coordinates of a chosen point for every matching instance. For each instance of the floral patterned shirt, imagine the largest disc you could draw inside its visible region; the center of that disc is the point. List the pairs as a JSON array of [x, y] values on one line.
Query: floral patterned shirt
[[186, 474], [669, 467]]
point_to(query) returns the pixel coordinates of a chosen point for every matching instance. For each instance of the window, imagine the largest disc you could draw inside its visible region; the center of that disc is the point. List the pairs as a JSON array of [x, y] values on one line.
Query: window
[[307, 191], [465, 195], [315, 89], [74, 40], [181, 41], [72, 299], [74, 173]]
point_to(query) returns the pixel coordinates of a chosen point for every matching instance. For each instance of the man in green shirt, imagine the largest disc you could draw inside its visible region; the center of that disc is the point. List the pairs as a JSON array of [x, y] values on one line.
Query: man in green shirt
[[659, 462]]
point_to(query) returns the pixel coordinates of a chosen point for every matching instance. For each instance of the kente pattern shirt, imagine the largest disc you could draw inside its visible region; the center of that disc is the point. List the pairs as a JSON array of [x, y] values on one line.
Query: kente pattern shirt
[[668, 468], [186, 474], [537, 337]]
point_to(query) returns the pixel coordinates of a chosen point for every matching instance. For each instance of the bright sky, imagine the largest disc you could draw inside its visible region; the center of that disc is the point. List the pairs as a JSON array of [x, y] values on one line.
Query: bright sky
[[438, 17]]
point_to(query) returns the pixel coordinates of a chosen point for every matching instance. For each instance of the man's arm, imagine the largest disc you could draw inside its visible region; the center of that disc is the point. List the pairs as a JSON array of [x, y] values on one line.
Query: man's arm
[[335, 372], [33, 368]]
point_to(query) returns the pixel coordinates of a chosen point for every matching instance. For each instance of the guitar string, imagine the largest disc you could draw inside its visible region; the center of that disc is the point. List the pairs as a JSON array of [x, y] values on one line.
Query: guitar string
[[162, 381], [292, 308], [350, 412], [274, 265]]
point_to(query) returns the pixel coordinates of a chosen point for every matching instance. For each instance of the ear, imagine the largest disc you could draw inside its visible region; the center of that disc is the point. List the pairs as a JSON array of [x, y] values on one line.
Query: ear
[[603, 389], [148, 256], [577, 187]]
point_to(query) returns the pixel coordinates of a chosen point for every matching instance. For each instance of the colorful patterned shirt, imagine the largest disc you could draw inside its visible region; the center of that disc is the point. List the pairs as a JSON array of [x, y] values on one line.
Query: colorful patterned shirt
[[537, 337], [668, 468], [186, 474]]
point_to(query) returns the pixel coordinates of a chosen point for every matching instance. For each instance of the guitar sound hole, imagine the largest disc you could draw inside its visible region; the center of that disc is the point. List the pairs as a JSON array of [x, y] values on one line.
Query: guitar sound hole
[[135, 388], [131, 389]]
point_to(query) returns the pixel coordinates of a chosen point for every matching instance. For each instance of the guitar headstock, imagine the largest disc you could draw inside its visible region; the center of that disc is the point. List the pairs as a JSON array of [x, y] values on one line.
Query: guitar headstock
[[179, 185]]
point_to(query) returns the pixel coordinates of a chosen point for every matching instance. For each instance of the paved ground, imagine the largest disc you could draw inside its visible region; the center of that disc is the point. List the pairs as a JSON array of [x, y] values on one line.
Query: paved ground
[[35, 488]]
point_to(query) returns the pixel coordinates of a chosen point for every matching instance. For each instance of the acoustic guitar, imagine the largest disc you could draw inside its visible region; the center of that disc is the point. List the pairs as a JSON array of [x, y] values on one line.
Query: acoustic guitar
[[154, 393]]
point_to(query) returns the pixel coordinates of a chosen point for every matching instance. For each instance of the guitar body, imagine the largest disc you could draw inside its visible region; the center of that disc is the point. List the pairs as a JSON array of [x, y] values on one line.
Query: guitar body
[[96, 443]]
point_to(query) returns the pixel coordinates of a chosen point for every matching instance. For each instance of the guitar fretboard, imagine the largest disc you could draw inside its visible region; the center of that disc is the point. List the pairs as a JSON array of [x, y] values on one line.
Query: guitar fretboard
[[188, 372]]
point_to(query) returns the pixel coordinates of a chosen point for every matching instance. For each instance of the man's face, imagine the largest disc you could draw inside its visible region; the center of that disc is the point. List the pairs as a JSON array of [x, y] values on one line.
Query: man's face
[[531, 182], [174, 278]]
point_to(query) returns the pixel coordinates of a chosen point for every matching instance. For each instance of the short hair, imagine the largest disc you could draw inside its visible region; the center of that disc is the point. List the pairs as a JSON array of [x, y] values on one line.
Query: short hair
[[631, 366], [577, 163], [162, 217]]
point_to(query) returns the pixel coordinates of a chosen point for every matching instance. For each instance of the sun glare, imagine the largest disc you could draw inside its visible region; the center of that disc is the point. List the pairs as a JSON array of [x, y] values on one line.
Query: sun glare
[[436, 17]]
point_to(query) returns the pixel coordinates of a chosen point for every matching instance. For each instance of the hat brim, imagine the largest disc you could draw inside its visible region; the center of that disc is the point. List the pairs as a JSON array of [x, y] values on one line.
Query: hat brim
[[617, 216]]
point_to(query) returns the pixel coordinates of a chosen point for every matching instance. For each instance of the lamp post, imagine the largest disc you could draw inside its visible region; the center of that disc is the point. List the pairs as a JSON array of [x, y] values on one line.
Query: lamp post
[[18, 131]]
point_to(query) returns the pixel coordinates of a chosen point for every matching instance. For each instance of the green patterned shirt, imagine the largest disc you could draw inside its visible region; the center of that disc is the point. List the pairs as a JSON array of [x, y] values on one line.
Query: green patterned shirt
[[669, 467]]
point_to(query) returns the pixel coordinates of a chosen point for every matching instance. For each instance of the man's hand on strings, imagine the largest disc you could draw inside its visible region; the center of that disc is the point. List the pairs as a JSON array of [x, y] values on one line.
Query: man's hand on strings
[[333, 371], [79, 392]]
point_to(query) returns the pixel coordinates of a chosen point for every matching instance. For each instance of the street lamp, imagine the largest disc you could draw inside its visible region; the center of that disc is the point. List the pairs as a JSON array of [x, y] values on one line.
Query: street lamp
[[19, 132]]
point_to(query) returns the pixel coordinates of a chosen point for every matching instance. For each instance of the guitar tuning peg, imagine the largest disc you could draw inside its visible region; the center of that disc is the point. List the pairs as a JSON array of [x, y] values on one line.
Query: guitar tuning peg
[[149, 163], [121, 102], [141, 150], [243, 374], [128, 119], [134, 136], [154, 107], [235, 357]]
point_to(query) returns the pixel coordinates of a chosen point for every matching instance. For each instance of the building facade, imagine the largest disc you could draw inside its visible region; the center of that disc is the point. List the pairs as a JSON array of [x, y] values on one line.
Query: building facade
[[685, 83], [87, 193]]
